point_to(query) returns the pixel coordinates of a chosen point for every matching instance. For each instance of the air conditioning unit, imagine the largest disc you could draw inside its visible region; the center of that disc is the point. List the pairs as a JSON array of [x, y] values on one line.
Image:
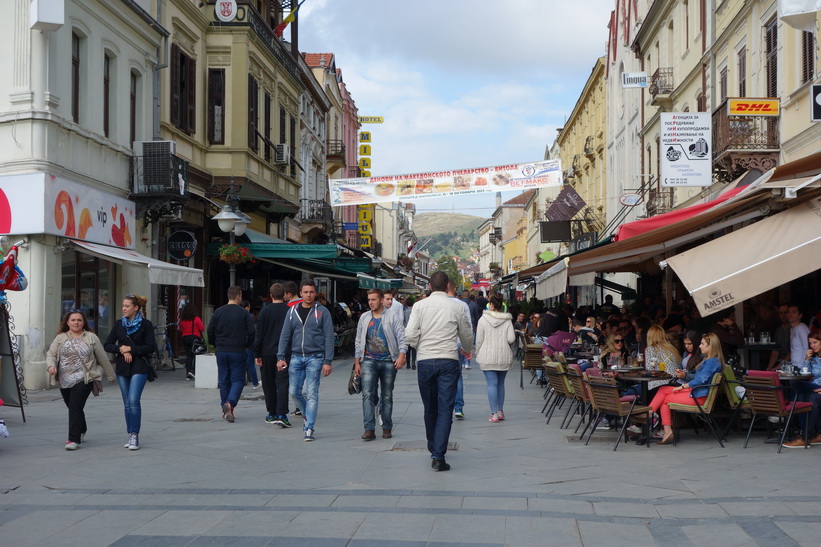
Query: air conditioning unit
[[154, 170], [282, 154]]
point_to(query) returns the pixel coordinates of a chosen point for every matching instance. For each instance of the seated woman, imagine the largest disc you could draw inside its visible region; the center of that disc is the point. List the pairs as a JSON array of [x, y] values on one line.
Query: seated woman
[[691, 358], [692, 389], [614, 347], [810, 391], [658, 351]]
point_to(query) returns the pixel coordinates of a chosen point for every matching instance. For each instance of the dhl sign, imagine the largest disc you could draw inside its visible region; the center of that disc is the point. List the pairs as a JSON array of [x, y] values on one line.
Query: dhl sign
[[753, 107]]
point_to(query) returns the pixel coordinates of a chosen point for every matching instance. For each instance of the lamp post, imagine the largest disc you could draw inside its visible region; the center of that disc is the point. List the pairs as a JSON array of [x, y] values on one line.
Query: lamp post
[[233, 221]]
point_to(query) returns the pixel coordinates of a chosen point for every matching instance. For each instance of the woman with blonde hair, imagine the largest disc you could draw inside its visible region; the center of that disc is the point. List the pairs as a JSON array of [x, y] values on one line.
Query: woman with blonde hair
[[614, 346], [693, 390], [660, 350]]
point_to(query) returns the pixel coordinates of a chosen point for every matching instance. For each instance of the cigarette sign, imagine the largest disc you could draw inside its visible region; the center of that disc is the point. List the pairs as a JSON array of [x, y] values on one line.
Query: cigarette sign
[[752, 107], [686, 149]]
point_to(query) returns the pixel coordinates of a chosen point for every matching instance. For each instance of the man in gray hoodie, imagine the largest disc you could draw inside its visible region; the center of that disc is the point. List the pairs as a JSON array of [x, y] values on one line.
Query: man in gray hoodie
[[308, 334]]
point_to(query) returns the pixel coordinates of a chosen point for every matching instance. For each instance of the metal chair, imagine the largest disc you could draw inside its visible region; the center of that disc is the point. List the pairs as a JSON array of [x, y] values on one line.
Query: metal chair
[[704, 412], [581, 395], [737, 402], [766, 396], [606, 399], [563, 391]]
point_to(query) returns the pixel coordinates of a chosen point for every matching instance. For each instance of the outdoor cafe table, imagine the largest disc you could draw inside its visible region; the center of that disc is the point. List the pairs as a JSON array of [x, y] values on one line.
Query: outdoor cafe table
[[643, 380]]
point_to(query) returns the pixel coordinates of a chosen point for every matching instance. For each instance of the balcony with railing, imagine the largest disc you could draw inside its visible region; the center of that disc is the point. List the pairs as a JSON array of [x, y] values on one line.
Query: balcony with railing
[[744, 142], [659, 200], [335, 153], [316, 215], [661, 86]]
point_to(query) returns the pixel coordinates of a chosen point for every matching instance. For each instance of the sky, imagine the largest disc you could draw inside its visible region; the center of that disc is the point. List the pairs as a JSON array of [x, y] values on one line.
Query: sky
[[460, 83]]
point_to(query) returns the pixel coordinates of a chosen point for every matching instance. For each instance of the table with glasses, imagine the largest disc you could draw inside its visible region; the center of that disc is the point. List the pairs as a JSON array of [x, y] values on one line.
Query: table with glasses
[[642, 377]]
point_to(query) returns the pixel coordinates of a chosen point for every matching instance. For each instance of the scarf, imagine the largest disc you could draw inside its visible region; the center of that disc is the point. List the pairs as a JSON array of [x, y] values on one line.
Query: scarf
[[132, 326]]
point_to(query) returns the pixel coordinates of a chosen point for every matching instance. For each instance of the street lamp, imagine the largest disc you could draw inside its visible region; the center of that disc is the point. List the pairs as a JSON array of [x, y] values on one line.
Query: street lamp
[[233, 221]]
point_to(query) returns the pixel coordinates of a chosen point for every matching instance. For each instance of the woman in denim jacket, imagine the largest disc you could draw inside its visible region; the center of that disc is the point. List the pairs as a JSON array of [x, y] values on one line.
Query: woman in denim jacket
[[810, 391], [692, 390]]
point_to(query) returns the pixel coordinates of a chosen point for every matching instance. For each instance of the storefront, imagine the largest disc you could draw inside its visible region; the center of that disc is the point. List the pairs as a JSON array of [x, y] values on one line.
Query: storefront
[[83, 250]]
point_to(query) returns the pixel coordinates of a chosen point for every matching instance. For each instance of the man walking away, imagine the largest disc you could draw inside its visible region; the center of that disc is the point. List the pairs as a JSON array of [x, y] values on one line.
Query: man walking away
[[308, 334], [434, 326], [266, 344], [232, 330], [379, 352]]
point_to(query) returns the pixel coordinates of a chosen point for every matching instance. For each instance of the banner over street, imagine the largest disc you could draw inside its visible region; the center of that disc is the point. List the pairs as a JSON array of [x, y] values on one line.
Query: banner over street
[[458, 182]]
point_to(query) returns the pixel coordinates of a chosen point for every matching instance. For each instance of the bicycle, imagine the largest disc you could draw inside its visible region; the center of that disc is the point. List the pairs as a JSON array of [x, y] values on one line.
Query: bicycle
[[165, 352]]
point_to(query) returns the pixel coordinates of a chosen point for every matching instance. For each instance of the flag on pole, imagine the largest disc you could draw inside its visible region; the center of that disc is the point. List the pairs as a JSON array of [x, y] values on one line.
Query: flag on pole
[[412, 248], [287, 21]]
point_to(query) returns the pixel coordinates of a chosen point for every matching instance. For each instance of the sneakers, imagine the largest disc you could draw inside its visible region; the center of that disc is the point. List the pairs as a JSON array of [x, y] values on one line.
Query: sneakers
[[309, 435], [460, 415], [228, 412], [282, 421], [440, 465], [269, 419], [633, 429], [816, 439], [368, 435], [604, 422], [296, 412], [500, 415], [774, 419], [128, 442], [798, 442], [467, 366], [493, 418], [655, 421], [257, 386], [133, 442], [189, 376], [71, 445]]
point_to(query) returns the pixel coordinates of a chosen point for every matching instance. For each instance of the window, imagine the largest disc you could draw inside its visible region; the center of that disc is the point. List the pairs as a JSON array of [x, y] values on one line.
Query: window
[[742, 72], [293, 145], [106, 94], [723, 83], [701, 102], [807, 56], [267, 127], [183, 90], [253, 113], [216, 105], [771, 57], [132, 108], [686, 24], [75, 78], [282, 135]]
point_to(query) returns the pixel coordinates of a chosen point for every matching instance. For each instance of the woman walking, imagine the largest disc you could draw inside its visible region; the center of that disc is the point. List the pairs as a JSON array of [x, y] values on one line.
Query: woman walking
[[75, 360], [191, 328], [132, 340], [494, 334]]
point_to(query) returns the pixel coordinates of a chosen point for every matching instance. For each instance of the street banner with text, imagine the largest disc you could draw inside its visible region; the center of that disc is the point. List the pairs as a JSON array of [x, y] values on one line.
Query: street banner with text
[[458, 182]]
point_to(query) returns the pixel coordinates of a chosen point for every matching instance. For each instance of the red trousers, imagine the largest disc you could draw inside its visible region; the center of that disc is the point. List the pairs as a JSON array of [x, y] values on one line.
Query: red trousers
[[665, 395]]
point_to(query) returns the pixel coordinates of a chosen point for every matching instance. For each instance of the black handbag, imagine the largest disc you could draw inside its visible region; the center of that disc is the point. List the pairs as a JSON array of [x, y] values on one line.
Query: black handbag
[[354, 382], [198, 346]]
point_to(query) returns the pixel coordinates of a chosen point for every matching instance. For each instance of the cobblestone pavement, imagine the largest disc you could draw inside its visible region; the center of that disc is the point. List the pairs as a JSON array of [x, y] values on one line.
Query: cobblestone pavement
[[198, 480]]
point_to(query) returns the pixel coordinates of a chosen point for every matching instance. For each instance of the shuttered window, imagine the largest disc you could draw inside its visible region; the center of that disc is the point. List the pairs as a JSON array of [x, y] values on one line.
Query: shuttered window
[[771, 57], [807, 56], [75, 78], [267, 126], [216, 105], [742, 72], [253, 113], [183, 90], [723, 83]]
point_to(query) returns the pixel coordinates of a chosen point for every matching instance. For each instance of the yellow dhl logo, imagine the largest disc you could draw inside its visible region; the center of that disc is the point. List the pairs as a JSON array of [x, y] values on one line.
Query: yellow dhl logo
[[753, 107]]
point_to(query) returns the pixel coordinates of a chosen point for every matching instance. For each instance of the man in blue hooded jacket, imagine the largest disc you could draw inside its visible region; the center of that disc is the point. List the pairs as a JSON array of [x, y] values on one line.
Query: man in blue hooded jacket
[[308, 333]]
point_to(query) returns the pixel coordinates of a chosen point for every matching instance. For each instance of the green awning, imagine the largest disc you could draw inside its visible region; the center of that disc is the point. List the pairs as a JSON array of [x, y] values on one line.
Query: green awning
[[370, 282], [284, 250], [343, 264]]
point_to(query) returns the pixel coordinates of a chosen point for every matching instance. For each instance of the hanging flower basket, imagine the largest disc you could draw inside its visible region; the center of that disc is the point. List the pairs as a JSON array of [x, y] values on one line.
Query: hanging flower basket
[[235, 254]]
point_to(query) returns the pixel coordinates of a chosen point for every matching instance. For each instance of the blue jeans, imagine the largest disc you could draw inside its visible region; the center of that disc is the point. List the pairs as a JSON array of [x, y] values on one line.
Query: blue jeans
[[438, 379], [231, 376], [383, 373], [251, 365], [306, 369], [495, 389], [459, 401], [131, 388]]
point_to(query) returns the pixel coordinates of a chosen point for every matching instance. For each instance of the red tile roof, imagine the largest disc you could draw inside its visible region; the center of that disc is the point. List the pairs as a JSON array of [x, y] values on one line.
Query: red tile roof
[[313, 60], [521, 199]]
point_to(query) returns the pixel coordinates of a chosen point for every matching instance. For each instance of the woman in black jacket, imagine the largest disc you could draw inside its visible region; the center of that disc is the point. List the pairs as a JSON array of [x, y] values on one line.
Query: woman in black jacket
[[132, 341]]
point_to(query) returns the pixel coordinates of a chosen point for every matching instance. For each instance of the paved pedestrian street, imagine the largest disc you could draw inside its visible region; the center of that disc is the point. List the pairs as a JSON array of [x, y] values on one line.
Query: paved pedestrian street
[[198, 480]]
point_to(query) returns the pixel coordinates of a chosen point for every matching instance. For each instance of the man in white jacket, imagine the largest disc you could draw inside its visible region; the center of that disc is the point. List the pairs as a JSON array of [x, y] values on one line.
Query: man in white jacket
[[433, 328], [379, 352]]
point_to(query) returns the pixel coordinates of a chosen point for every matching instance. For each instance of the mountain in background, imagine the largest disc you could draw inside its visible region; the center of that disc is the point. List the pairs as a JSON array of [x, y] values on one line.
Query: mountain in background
[[451, 234]]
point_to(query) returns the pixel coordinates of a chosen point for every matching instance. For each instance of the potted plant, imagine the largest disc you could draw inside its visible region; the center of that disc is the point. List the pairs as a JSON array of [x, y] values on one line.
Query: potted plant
[[235, 254]]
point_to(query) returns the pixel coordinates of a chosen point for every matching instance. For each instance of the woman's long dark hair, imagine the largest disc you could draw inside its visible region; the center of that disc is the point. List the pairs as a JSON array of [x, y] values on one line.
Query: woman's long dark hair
[[189, 312], [695, 357]]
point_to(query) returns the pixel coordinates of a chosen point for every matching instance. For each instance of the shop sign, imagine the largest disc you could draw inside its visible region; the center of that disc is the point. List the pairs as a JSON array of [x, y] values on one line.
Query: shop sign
[[181, 245], [630, 199], [685, 149], [633, 79], [753, 107], [39, 203]]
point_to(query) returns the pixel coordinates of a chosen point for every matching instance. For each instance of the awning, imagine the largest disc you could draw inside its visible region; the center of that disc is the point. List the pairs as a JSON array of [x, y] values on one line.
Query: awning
[[283, 250], [370, 282], [553, 281], [159, 272], [754, 259], [301, 267]]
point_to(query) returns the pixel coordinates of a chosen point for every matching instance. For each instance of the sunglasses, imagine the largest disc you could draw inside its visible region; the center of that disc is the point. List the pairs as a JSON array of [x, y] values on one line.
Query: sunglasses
[[619, 341]]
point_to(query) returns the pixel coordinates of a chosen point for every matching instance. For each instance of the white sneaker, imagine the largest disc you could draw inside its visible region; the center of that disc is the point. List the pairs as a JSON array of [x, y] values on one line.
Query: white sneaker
[[493, 418], [634, 429], [605, 423], [134, 442], [309, 435], [71, 445]]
